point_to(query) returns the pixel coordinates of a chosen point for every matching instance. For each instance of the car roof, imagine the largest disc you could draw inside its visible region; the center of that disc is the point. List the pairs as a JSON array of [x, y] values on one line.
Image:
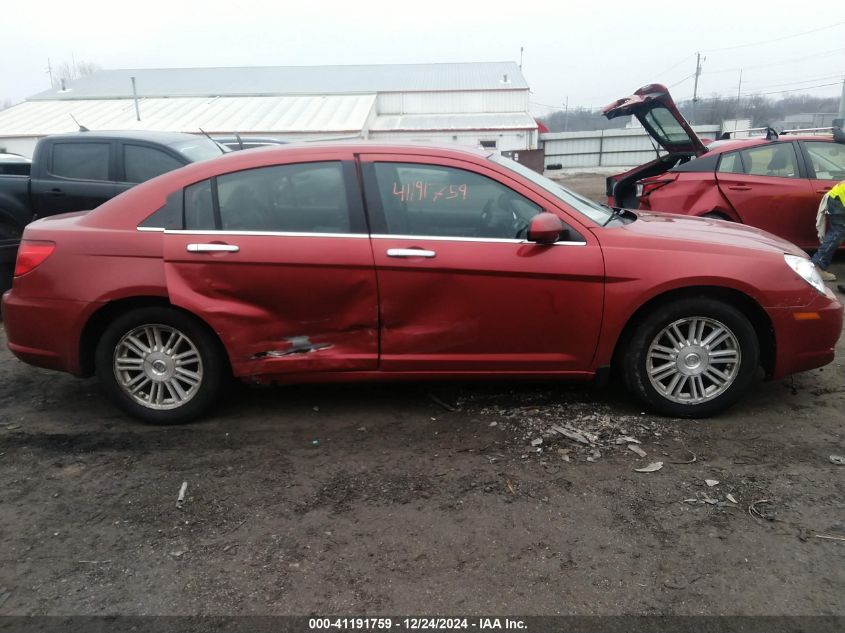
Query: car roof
[[164, 138], [717, 147], [13, 158]]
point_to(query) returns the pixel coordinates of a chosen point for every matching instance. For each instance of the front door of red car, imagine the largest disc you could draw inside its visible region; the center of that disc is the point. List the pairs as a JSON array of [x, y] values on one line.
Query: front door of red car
[[278, 262], [767, 190], [460, 288]]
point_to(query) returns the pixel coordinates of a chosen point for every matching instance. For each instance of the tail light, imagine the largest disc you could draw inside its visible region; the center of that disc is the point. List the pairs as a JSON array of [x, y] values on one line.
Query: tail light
[[31, 254], [647, 187]]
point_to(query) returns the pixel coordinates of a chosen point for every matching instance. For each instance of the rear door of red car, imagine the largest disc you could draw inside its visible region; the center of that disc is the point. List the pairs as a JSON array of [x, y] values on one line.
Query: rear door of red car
[[825, 164], [460, 289], [768, 188], [278, 261]]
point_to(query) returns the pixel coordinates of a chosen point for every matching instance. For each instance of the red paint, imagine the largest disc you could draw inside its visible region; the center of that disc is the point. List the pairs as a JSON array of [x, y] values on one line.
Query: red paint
[[477, 309]]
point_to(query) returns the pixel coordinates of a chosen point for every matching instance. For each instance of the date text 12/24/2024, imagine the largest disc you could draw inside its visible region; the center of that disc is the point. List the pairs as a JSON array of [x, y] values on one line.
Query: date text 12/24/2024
[[415, 624]]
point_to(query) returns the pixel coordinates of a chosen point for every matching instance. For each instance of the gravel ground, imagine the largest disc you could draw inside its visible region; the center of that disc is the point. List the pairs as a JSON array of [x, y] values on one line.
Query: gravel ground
[[376, 499]]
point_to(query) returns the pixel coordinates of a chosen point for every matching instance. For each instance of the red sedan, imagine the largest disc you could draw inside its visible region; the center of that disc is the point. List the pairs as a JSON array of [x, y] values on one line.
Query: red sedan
[[774, 182], [344, 262]]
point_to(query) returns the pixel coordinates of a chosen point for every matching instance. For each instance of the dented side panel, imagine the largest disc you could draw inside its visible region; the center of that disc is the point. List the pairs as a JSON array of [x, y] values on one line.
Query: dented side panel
[[281, 303]]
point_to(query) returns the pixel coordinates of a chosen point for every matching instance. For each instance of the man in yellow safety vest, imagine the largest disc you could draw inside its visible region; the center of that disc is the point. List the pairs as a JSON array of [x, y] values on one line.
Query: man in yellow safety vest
[[835, 234]]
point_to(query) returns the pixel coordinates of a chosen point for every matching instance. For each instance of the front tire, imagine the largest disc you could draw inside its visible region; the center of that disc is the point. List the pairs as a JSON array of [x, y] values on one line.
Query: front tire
[[160, 365], [692, 358]]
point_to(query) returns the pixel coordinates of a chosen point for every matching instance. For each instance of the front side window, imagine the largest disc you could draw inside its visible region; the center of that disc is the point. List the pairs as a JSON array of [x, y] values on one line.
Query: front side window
[[143, 163], [775, 159], [828, 159], [301, 198], [437, 201], [81, 161]]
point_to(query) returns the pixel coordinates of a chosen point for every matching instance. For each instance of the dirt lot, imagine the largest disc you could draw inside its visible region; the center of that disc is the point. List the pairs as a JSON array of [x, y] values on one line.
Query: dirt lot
[[378, 500]]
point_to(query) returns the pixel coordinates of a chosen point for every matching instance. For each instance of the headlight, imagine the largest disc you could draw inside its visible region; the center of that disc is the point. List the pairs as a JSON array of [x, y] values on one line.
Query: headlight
[[806, 270]]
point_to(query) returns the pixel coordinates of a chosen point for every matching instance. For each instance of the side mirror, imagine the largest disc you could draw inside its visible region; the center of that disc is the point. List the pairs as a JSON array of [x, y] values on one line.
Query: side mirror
[[545, 228]]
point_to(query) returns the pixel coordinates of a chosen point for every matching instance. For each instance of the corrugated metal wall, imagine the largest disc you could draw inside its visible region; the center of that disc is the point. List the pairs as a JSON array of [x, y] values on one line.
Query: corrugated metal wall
[[506, 140], [605, 148], [452, 102]]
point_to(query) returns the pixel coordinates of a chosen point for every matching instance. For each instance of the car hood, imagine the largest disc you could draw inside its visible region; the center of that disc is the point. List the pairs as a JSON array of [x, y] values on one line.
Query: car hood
[[705, 234], [657, 113]]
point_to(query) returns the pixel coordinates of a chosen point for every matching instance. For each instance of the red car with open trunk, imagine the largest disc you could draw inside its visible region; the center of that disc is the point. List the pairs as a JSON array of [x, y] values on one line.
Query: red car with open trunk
[[774, 182], [366, 262]]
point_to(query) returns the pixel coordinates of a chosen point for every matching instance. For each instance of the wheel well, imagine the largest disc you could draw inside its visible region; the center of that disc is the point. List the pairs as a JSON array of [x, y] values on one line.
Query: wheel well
[[748, 306], [100, 320]]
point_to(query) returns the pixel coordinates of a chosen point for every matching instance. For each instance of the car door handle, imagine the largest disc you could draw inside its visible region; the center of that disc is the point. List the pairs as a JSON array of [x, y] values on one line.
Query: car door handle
[[739, 187], [57, 193], [409, 252], [213, 248], [825, 190]]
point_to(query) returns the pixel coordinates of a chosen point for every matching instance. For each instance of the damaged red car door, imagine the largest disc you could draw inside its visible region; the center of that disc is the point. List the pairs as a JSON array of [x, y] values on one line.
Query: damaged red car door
[[278, 261], [461, 288]]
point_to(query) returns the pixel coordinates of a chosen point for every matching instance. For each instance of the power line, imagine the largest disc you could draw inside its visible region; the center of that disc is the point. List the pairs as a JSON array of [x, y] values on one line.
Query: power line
[[774, 92], [800, 81], [682, 80], [778, 63], [673, 67], [775, 39]]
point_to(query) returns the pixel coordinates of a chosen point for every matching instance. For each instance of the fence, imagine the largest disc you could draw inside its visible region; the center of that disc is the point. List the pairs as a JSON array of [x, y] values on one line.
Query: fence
[[605, 148]]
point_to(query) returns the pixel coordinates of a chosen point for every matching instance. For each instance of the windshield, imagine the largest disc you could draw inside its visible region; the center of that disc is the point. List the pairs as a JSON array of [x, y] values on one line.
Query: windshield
[[594, 211], [198, 149]]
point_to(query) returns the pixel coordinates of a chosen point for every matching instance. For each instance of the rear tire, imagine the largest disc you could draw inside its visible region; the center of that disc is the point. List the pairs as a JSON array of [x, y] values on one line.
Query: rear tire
[[160, 365], [692, 358]]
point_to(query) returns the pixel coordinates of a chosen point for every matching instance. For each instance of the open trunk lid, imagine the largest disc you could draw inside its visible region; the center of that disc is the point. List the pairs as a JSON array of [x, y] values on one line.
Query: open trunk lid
[[656, 111]]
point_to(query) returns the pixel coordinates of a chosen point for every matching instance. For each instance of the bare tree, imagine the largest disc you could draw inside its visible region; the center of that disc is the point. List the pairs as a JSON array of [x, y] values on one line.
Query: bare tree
[[68, 71]]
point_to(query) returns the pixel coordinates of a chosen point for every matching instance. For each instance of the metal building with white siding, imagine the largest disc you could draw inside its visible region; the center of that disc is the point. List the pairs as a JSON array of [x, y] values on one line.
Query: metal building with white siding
[[466, 103]]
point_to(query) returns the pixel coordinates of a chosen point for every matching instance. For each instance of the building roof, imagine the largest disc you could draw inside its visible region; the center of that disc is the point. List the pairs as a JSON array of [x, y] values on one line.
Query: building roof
[[453, 122], [301, 114], [291, 80]]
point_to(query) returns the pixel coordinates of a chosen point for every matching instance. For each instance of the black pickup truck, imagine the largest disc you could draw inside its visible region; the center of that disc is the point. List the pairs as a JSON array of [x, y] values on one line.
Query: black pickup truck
[[79, 171]]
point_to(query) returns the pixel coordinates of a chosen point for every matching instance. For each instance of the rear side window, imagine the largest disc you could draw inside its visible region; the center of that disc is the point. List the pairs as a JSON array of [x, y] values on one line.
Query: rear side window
[[439, 201], [300, 198], [730, 163], [143, 163], [776, 159], [828, 159], [81, 161]]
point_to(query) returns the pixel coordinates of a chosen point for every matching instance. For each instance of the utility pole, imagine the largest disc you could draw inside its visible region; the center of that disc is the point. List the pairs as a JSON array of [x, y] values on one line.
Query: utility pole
[[738, 98], [842, 101], [695, 88], [520, 57], [566, 114], [50, 72]]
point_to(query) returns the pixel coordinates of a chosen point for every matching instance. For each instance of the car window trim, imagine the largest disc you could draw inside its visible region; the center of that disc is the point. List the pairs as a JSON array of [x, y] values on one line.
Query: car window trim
[[354, 200]]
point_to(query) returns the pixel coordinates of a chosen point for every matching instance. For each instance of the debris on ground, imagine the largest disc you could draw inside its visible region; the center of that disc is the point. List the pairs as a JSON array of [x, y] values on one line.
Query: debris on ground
[[763, 509], [636, 449], [442, 403], [180, 500], [650, 468], [832, 538], [731, 498], [711, 482], [839, 460], [589, 430]]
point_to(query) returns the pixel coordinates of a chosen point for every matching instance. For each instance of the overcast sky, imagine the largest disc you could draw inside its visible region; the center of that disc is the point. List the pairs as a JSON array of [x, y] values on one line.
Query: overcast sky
[[592, 52]]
